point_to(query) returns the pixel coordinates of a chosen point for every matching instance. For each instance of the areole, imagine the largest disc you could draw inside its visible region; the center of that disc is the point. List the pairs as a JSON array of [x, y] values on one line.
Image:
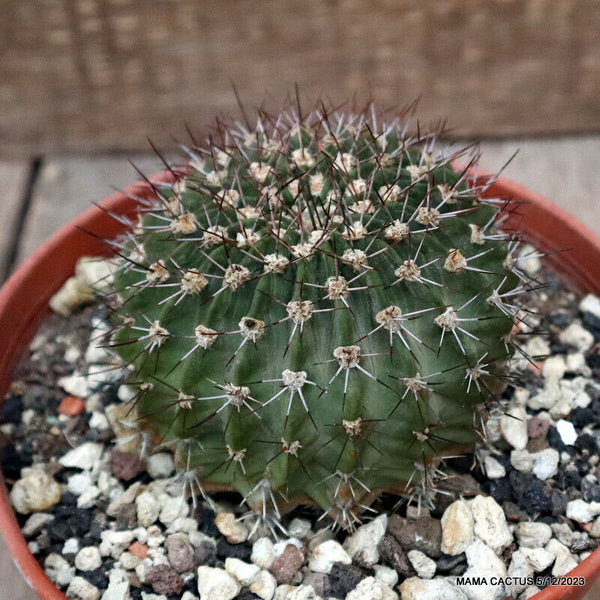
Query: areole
[[24, 298]]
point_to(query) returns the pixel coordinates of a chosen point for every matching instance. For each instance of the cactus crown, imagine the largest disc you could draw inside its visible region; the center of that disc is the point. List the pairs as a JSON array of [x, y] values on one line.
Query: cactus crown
[[315, 309]]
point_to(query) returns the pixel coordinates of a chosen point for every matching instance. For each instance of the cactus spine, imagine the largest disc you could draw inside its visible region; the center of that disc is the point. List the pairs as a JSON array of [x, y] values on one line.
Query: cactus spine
[[315, 310]]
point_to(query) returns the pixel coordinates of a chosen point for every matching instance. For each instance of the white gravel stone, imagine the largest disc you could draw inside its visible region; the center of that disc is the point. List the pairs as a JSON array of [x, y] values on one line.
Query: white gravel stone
[[565, 561], [160, 465], [545, 463], [77, 384], [529, 592], [457, 528], [483, 562], [34, 492], [147, 508], [80, 482], [414, 588], [263, 553], [577, 336], [567, 432], [519, 570], [282, 591], [88, 559], [118, 586], [386, 575], [539, 558], [71, 546], [371, 589], [521, 460], [172, 509], [85, 456], [493, 469], [490, 523], [263, 585], [188, 596], [81, 589], [129, 561], [513, 426], [299, 528], [362, 545], [35, 523], [324, 555], [554, 369], [88, 498], [422, 564], [564, 534], [303, 592], [116, 541], [59, 570], [217, 584], [99, 421], [73, 294], [235, 531], [581, 511], [591, 304], [532, 535], [576, 364], [244, 572]]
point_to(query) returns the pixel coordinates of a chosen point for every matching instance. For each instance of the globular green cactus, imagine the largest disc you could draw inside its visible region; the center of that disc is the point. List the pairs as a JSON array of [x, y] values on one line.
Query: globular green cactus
[[315, 309]]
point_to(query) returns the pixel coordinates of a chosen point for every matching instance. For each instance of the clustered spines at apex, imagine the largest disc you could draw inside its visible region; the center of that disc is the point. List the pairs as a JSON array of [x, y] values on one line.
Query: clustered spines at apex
[[316, 308]]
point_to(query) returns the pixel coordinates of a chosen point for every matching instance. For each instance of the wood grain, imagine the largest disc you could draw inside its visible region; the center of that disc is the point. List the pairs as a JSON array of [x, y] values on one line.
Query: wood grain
[[69, 185], [105, 74], [13, 175]]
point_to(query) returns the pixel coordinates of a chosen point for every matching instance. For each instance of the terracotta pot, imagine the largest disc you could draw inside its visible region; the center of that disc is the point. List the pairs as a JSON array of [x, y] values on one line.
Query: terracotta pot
[[574, 252]]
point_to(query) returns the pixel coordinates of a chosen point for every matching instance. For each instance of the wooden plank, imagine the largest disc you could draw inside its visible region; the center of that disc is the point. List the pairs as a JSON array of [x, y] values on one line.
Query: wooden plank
[[13, 175], [563, 170], [68, 185], [122, 71]]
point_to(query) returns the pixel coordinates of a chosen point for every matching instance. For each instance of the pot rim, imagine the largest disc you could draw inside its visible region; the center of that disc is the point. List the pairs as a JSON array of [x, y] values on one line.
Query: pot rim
[[541, 222]]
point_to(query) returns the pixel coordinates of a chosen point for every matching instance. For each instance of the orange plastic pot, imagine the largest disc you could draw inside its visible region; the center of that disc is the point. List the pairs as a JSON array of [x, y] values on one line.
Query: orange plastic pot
[[574, 252]]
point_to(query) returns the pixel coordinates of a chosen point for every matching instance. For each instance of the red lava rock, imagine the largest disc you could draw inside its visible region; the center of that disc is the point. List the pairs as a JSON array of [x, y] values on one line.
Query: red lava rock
[[164, 580], [284, 567], [180, 554], [138, 549], [537, 444], [71, 406], [126, 465], [537, 427]]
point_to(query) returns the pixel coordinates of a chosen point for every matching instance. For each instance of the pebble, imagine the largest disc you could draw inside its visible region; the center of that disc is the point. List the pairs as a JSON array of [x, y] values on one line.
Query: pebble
[[423, 533], [422, 564], [180, 553], [539, 558], [545, 463], [320, 582], [567, 432], [129, 561], [577, 336], [81, 589], [565, 561], [513, 426], [174, 512], [77, 384], [581, 511], [393, 554], [457, 528], [73, 295], [537, 427], [35, 492], [483, 562], [532, 535], [164, 580], [126, 465], [118, 586], [86, 456], [343, 579], [263, 554], [302, 592], [217, 584], [160, 465], [415, 588], [280, 546], [263, 585], [326, 554], [284, 567], [71, 406], [147, 508], [386, 575], [234, 531], [371, 589], [521, 460], [519, 570], [59, 570], [244, 572], [590, 303], [299, 528], [493, 469], [362, 545], [35, 523], [88, 559], [490, 523]]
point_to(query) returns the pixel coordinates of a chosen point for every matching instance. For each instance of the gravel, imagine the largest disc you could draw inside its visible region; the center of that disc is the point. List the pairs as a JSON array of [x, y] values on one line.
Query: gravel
[[107, 524]]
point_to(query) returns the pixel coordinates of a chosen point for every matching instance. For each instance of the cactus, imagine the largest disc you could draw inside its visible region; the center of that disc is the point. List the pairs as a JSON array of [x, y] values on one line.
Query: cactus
[[315, 310]]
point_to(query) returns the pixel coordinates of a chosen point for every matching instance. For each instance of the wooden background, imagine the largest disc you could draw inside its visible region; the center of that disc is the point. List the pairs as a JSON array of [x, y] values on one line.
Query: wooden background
[[88, 75]]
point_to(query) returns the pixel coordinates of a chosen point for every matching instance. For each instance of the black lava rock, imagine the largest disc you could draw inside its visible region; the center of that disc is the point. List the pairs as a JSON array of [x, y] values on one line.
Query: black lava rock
[[11, 410], [343, 579], [241, 551], [451, 565]]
